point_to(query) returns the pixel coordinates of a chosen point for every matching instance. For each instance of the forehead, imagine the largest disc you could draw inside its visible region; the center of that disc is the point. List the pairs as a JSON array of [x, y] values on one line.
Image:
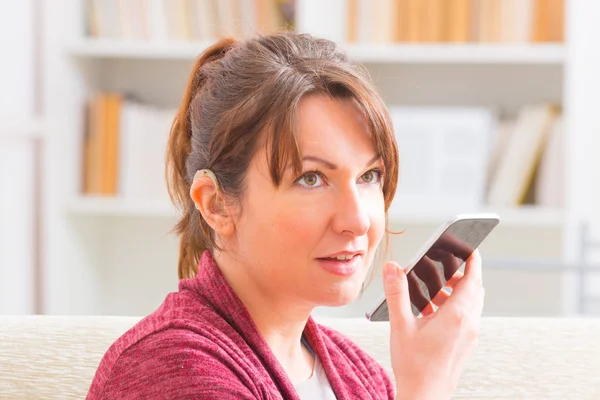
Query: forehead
[[331, 124]]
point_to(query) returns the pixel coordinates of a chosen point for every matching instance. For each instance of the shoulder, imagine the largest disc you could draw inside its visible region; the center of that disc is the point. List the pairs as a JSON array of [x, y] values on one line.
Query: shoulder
[[175, 363], [344, 350], [173, 355]]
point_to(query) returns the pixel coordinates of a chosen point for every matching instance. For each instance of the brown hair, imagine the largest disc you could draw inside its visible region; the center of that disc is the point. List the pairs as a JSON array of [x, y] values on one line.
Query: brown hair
[[242, 93]]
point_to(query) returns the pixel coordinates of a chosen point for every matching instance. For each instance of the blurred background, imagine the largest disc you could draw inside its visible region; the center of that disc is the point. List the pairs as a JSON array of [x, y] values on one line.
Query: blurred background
[[494, 104]]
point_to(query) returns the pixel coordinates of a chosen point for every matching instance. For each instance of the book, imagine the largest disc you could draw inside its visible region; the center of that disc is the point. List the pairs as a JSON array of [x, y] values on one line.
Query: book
[[178, 20], [94, 146], [228, 17], [550, 180], [457, 26], [548, 21], [383, 18], [101, 144], [444, 153], [111, 138], [455, 21], [521, 155], [156, 21], [499, 142], [185, 20], [132, 19], [144, 134], [364, 21]]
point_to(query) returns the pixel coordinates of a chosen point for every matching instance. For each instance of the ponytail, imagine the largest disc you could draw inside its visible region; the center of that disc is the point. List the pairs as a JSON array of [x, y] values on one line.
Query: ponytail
[[195, 234]]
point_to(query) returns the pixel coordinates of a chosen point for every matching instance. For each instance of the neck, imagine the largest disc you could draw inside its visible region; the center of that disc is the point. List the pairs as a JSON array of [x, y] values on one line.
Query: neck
[[280, 320]]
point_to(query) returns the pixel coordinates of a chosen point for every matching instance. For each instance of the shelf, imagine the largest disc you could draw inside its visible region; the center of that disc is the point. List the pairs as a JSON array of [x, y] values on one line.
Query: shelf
[[458, 53], [115, 49], [115, 206], [376, 53], [522, 216], [22, 130]]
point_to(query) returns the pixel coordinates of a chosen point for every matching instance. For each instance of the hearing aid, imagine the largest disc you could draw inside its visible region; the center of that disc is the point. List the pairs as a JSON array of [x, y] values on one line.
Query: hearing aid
[[207, 173], [202, 173]]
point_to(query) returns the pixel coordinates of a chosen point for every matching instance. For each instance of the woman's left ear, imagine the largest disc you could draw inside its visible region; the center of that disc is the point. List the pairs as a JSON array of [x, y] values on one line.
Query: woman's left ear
[[210, 202]]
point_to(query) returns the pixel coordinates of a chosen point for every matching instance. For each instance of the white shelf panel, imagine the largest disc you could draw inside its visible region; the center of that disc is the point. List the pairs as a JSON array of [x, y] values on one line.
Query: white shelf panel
[[458, 53], [115, 206], [104, 48], [375, 53], [521, 216]]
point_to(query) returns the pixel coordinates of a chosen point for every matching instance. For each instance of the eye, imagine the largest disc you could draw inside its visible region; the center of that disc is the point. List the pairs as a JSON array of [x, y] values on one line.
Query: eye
[[310, 180], [372, 176]]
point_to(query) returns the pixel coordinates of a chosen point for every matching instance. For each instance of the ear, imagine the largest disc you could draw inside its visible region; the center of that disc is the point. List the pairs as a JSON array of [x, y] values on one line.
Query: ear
[[209, 201]]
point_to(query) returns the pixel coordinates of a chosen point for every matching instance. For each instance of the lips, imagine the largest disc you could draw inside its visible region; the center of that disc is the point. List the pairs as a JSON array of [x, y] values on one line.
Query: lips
[[342, 264], [343, 255]]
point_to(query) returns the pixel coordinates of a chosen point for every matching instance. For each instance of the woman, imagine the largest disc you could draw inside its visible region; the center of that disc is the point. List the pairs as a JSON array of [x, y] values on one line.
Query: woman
[[283, 161]]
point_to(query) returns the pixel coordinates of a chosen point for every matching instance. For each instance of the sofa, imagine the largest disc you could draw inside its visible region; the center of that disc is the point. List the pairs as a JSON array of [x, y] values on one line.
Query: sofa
[[54, 357]]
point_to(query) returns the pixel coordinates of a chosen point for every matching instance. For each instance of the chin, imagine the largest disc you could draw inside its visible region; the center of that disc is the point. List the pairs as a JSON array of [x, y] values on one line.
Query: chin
[[340, 294]]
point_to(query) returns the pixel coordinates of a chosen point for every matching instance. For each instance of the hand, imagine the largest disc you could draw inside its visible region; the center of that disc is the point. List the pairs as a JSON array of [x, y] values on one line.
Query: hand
[[428, 354]]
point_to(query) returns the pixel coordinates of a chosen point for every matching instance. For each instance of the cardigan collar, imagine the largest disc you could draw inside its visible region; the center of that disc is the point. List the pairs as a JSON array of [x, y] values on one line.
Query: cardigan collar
[[210, 283]]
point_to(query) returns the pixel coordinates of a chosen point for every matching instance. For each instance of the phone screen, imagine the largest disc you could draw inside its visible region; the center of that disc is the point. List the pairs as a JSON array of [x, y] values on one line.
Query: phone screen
[[440, 262]]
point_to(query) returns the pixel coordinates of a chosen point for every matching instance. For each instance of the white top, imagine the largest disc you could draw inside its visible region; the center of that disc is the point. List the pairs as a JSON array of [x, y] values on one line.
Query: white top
[[317, 387]]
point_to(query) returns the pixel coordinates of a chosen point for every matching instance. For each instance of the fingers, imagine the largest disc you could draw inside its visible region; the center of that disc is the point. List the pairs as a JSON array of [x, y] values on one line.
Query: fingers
[[428, 310], [425, 280], [434, 279], [416, 292], [465, 294], [429, 273], [449, 243], [450, 262], [426, 273], [397, 295], [473, 267], [454, 279], [440, 298]]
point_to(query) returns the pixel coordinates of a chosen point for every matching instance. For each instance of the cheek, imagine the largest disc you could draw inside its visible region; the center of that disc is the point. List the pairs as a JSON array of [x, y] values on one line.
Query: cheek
[[297, 228]]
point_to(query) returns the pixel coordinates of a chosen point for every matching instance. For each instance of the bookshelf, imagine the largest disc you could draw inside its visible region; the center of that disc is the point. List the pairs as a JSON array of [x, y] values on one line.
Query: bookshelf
[[113, 255]]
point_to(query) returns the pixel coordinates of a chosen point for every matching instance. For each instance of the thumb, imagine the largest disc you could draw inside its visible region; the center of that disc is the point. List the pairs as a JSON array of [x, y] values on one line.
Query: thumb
[[396, 293]]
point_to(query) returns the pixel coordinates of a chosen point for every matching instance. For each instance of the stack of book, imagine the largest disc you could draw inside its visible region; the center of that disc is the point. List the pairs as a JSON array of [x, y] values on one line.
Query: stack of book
[[469, 158], [183, 20], [430, 21], [526, 163], [124, 148]]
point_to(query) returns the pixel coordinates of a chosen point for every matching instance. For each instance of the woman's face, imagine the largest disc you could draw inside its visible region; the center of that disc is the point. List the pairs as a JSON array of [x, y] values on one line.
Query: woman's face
[[314, 237]]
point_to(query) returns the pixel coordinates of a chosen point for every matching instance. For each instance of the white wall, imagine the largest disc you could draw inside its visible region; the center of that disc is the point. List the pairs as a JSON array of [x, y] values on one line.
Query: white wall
[[16, 227], [16, 69], [582, 87], [17, 106]]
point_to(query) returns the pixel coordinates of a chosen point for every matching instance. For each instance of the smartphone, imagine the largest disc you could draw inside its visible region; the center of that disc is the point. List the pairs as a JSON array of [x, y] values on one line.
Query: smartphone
[[438, 260]]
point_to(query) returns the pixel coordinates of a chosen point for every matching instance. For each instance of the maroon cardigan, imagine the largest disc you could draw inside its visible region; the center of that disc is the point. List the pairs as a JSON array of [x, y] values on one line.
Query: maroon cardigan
[[201, 343]]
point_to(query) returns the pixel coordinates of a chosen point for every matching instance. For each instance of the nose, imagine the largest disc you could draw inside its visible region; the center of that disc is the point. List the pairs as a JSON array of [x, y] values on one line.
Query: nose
[[351, 216]]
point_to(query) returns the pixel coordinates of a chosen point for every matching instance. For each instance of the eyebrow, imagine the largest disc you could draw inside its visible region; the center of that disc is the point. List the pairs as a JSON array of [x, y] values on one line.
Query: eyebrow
[[331, 165]]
